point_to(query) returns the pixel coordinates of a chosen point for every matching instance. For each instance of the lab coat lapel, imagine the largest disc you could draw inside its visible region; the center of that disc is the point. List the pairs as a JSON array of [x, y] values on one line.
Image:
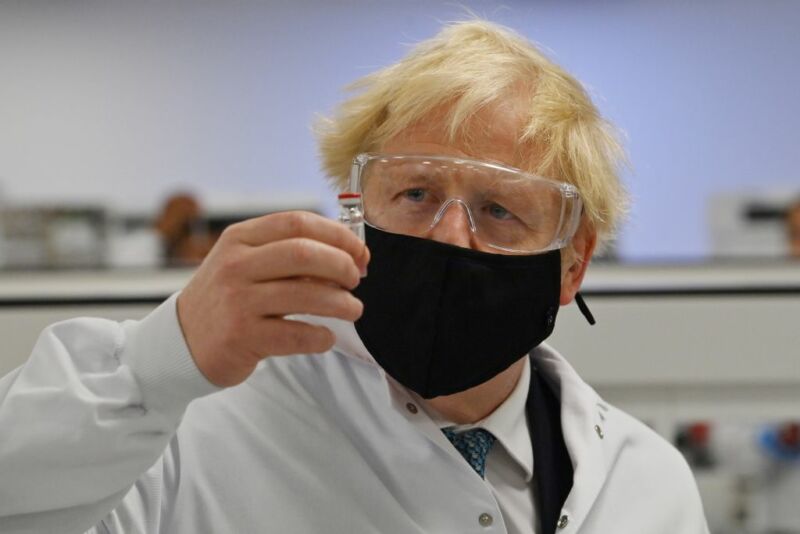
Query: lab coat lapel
[[553, 468], [582, 425]]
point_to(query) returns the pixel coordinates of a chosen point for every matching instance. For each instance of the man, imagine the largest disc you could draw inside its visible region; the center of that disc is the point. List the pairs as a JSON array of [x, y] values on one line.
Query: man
[[487, 178]]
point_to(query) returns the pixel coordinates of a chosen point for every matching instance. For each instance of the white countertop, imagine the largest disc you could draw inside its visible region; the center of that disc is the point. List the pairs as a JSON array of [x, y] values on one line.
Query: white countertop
[[81, 284], [601, 277]]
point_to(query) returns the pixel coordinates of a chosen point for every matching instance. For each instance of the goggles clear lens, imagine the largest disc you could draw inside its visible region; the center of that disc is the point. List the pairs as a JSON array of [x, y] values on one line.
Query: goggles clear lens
[[507, 209]]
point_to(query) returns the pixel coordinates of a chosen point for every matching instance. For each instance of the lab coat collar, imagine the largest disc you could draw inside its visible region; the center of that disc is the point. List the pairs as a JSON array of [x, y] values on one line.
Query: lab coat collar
[[347, 342]]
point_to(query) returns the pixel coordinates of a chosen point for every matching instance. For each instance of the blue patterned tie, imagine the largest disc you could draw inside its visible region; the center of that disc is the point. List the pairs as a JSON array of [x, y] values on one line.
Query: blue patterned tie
[[473, 445]]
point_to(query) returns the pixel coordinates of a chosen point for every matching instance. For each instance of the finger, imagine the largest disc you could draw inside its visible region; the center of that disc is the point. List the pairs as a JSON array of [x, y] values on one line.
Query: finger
[[363, 262], [287, 297], [298, 257], [286, 225], [282, 337]]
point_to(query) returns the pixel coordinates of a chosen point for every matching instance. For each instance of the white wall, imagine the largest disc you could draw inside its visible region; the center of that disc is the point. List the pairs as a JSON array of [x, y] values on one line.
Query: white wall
[[124, 101]]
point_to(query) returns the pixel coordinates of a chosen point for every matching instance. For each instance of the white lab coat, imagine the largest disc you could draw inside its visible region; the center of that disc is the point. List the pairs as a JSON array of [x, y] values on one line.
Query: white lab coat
[[96, 436]]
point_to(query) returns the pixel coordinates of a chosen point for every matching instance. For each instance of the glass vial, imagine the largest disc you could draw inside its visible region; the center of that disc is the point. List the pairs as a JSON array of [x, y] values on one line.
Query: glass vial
[[351, 213]]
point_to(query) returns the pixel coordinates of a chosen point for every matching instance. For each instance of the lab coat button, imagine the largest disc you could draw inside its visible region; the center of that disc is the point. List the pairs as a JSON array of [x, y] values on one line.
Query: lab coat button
[[599, 431], [563, 521], [485, 519], [550, 318], [411, 407]]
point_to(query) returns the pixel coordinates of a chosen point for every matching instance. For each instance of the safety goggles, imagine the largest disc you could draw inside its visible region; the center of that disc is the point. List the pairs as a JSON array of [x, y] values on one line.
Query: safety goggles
[[507, 209]]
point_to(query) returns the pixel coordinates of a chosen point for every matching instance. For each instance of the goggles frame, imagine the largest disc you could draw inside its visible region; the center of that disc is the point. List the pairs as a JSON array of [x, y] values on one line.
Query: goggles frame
[[566, 228]]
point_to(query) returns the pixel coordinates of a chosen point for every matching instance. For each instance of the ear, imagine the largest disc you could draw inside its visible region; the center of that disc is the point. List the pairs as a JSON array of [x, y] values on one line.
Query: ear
[[583, 244]]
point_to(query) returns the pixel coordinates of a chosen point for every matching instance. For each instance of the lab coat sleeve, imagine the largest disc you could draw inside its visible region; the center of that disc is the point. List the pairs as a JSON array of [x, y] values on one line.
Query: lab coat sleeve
[[89, 415]]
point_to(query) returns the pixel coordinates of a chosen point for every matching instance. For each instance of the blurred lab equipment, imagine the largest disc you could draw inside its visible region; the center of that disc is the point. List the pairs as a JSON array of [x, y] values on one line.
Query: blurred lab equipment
[[752, 484], [754, 224], [96, 236], [52, 236], [693, 441]]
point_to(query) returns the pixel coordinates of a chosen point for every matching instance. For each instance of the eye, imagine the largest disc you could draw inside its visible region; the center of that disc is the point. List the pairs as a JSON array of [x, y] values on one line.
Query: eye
[[499, 212], [414, 195]]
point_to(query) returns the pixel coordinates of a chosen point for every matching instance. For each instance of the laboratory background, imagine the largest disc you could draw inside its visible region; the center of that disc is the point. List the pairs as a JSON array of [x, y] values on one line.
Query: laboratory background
[[132, 133]]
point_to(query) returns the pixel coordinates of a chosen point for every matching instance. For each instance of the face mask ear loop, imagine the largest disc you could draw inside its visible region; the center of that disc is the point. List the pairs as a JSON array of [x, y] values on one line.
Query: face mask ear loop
[[584, 308]]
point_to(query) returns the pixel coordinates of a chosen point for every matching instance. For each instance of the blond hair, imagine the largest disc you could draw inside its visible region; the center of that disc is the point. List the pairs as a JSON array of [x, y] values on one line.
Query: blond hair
[[468, 66]]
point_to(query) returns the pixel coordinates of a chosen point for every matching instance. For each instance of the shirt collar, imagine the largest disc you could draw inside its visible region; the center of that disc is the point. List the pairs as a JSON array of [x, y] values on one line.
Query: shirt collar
[[508, 423]]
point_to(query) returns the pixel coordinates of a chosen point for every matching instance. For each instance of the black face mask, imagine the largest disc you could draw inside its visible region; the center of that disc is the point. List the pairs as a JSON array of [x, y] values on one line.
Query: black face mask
[[441, 319]]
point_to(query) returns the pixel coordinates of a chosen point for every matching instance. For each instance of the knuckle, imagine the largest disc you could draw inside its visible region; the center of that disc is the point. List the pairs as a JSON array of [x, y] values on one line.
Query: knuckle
[[231, 233], [302, 250], [296, 222], [231, 266]]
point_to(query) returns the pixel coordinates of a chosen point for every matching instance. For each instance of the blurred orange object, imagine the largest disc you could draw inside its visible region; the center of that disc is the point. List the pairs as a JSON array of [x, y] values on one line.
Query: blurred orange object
[[793, 229], [789, 435], [699, 434], [183, 232]]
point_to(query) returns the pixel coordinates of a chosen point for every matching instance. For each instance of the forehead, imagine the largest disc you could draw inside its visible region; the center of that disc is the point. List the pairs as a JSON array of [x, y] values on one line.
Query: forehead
[[490, 134]]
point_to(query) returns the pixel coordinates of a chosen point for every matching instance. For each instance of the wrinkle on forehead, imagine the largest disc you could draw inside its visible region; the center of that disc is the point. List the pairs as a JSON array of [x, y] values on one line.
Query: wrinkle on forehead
[[492, 133]]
